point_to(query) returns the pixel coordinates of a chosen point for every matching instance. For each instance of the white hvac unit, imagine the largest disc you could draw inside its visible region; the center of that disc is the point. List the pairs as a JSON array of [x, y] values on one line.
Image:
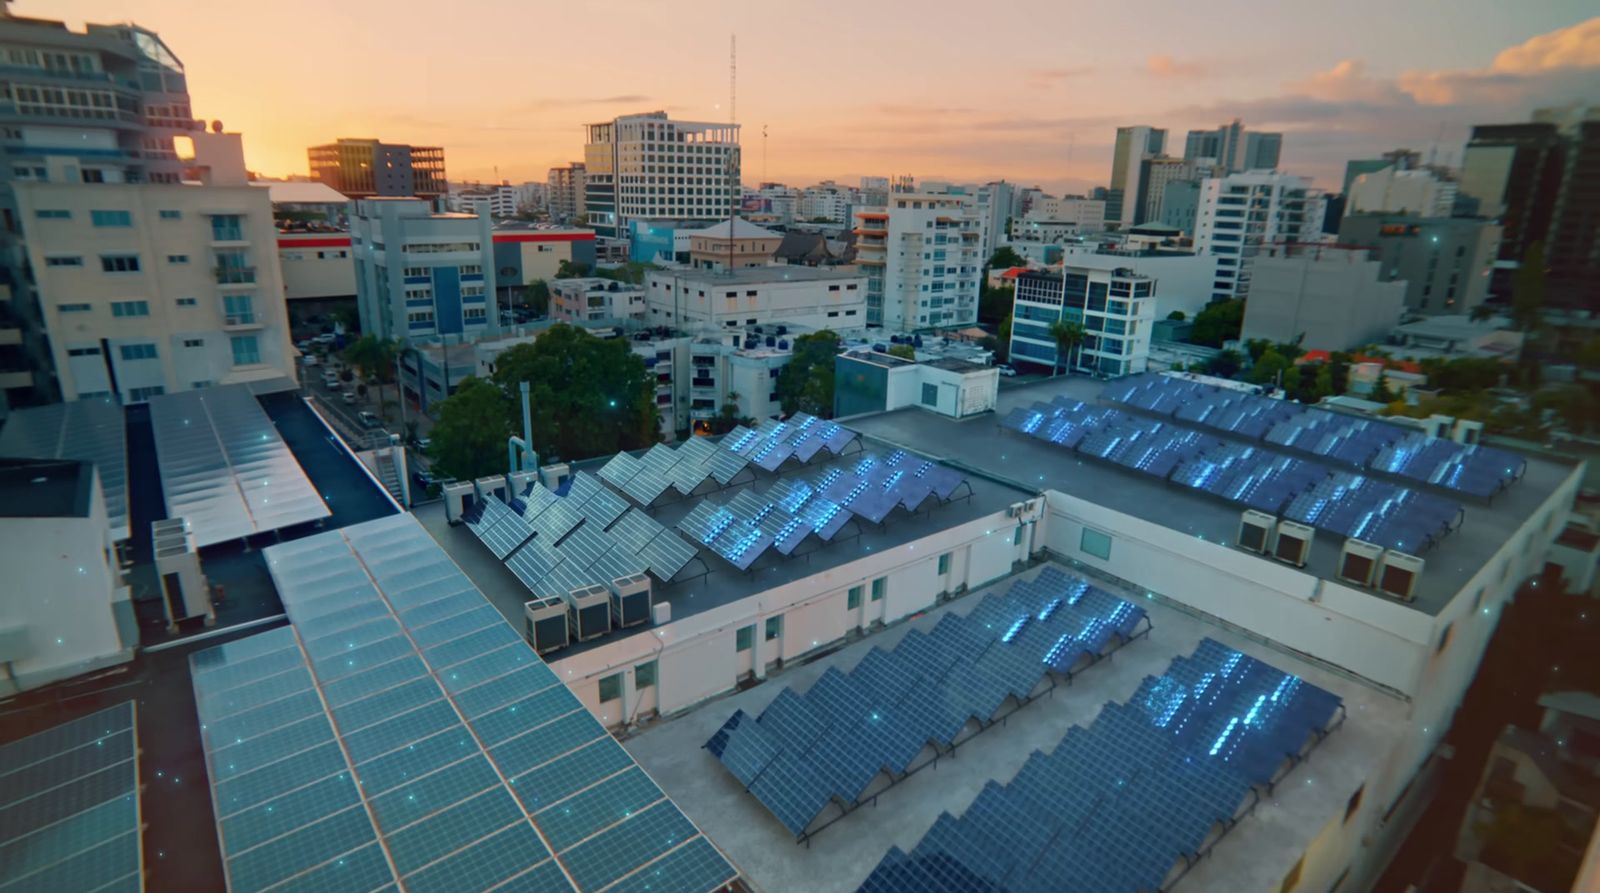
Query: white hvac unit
[[546, 620], [1358, 563], [661, 612], [630, 600], [458, 497], [1294, 543], [555, 475], [517, 482], [184, 589], [590, 612], [1438, 425], [1255, 531], [1398, 574], [1467, 431], [492, 487]]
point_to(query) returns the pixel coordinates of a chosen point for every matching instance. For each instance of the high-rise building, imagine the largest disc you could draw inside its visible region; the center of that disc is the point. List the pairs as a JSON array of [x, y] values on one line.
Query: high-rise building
[[1573, 252], [1232, 149], [106, 102], [1134, 145], [1444, 261], [362, 168], [1241, 213], [651, 167], [564, 192], [1115, 308], [421, 275], [486, 201], [152, 288], [996, 202], [1180, 202], [1400, 159], [1426, 192], [1154, 175], [826, 201], [920, 251]]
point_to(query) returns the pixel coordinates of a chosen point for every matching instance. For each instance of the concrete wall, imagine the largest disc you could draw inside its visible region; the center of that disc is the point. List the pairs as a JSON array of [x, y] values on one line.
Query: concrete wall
[[1336, 302], [316, 265]]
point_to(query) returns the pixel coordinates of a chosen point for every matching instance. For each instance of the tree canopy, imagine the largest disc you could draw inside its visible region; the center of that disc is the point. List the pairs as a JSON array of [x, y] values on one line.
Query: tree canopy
[[994, 304], [590, 396], [805, 384], [1217, 323], [374, 356], [1067, 336], [469, 439], [1268, 367], [1528, 290], [1226, 364], [903, 351], [537, 296], [1005, 257]]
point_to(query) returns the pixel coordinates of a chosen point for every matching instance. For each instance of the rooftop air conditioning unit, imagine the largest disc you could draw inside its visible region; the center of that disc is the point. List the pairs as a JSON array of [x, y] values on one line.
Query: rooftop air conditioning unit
[[458, 497], [1294, 543], [1398, 574], [517, 482], [555, 475], [184, 589], [546, 623], [1467, 431], [1255, 531], [1438, 425], [493, 486], [630, 600], [1358, 563], [590, 612]]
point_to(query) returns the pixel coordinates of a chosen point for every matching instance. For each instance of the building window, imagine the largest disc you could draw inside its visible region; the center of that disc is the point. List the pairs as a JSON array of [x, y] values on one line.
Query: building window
[[138, 351], [930, 395], [83, 352], [644, 675], [69, 261], [852, 599], [416, 272], [471, 270], [611, 688], [193, 342], [167, 214], [246, 350], [745, 638], [111, 218], [944, 564], [238, 310], [74, 308], [187, 302], [774, 627], [1095, 543], [130, 308], [1354, 805], [227, 228], [52, 214], [177, 258], [879, 586], [119, 263], [140, 395]]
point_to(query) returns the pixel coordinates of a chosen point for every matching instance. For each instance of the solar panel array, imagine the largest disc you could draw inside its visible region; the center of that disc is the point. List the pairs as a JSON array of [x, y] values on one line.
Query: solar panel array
[[401, 734], [808, 749], [69, 806], [224, 469], [1117, 804], [1359, 443], [91, 430], [1381, 513], [499, 527]]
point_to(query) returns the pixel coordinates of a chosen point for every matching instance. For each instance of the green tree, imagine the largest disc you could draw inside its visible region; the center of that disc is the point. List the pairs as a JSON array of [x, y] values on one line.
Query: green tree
[[1573, 404], [1528, 290], [375, 358], [1268, 368], [1002, 351], [589, 396], [1177, 316], [1381, 393], [994, 304], [903, 351], [1225, 365], [1067, 336], [631, 272], [1481, 313], [1004, 258], [536, 295], [469, 439], [569, 270], [1255, 347], [1321, 384], [728, 418], [1218, 322], [1589, 354], [805, 384]]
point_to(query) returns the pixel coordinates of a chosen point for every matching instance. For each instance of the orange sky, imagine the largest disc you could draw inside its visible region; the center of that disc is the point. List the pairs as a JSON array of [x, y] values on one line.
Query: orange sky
[[942, 89]]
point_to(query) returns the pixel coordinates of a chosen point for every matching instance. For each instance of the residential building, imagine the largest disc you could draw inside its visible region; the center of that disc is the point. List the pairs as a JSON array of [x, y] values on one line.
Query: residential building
[[1134, 145], [1321, 297], [826, 201], [809, 297], [1399, 159], [921, 254], [1240, 213], [151, 288], [997, 205], [305, 205], [1180, 203], [773, 203], [1075, 210], [564, 191], [1154, 177], [109, 101], [1445, 262], [1573, 251], [733, 244], [363, 168], [1424, 192], [1185, 277], [650, 166], [1232, 149], [596, 300], [1115, 307], [499, 201], [422, 275], [531, 197], [874, 191], [870, 380]]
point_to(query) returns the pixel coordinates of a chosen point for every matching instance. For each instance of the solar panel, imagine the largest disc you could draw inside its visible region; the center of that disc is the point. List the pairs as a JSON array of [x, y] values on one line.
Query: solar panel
[[497, 526], [469, 759], [90, 430], [533, 562], [725, 465], [661, 549], [596, 502], [620, 469], [69, 806], [557, 520], [740, 440], [224, 469], [535, 499], [585, 546], [648, 485], [691, 469]]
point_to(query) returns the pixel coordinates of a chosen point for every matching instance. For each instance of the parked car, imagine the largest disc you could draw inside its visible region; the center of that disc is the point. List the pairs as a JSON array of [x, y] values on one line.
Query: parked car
[[426, 481], [304, 346], [330, 379], [1007, 371], [326, 338], [369, 419], [350, 397]]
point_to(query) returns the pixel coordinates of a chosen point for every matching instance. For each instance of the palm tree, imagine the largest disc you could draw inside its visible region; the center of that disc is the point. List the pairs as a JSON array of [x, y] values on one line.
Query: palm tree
[[1068, 336], [375, 358]]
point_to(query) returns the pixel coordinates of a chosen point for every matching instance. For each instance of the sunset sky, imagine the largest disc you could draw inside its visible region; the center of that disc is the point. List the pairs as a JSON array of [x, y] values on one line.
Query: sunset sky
[[942, 89]]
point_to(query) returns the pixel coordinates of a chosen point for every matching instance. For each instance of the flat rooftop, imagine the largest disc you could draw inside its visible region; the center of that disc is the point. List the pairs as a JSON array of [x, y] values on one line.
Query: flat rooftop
[[690, 594], [979, 442], [44, 488], [1255, 855], [760, 275]]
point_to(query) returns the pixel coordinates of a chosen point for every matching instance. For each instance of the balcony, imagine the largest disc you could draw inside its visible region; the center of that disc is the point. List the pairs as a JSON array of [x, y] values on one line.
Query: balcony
[[239, 321], [15, 379], [235, 275]]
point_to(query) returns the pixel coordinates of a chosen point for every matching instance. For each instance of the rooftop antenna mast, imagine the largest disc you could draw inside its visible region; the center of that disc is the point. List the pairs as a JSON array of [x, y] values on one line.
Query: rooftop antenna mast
[[733, 122]]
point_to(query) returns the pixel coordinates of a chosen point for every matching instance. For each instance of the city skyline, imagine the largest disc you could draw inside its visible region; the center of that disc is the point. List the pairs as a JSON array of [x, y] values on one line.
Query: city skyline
[[1046, 116]]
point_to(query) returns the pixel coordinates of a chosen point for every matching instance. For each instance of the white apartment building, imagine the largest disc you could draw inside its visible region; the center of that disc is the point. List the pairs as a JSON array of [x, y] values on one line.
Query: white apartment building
[[564, 191], [1116, 309], [1074, 210], [997, 202], [826, 201], [812, 297], [1185, 277], [1419, 191], [921, 253], [1154, 176], [420, 275], [486, 201], [152, 288], [651, 167], [738, 367], [1240, 213], [594, 299]]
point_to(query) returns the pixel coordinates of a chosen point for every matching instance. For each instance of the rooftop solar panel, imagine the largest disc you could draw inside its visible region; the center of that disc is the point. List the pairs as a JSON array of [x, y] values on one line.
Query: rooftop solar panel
[[664, 552], [89, 430], [596, 502], [557, 520], [692, 469], [620, 469], [646, 486], [69, 806], [725, 465], [463, 782]]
